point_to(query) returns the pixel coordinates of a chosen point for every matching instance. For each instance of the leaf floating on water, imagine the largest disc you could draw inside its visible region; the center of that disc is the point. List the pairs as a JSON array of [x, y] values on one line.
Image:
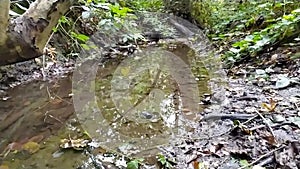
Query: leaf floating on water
[[125, 71], [31, 147]]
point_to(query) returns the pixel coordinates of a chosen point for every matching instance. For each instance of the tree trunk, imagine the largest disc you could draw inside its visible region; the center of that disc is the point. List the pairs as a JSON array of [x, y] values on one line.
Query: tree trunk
[[25, 37]]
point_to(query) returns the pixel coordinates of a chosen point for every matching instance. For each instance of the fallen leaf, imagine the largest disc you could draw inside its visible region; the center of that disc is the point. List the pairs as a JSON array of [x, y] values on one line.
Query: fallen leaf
[[269, 107], [282, 82], [196, 164], [125, 71], [31, 147]]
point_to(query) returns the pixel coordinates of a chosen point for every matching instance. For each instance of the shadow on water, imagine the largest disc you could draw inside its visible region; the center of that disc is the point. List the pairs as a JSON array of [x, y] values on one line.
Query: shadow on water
[[42, 114]]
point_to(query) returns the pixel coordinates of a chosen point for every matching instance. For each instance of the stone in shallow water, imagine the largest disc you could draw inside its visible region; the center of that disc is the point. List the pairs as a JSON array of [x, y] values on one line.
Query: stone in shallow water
[[151, 116]]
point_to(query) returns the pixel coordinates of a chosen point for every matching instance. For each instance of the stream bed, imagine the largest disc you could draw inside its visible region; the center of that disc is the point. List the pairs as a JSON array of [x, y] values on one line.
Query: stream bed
[[137, 110]]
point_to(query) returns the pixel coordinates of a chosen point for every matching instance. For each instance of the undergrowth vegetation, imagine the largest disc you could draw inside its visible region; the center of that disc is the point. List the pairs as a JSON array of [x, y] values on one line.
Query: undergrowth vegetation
[[90, 16], [245, 28], [240, 29]]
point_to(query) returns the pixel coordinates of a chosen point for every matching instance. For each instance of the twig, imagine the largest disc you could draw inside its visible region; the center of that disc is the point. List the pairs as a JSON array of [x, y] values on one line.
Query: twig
[[227, 116], [262, 157], [266, 161], [274, 125], [43, 68], [49, 94], [62, 99], [267, 124], [51, 116], [297, 107], [250, 119]]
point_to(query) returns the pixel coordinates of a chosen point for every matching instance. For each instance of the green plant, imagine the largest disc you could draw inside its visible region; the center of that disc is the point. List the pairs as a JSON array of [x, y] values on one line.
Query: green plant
[[166, 163], [245, 28], [145, 5], [114, 19], [285, 27], [67, 29], [134, 164]]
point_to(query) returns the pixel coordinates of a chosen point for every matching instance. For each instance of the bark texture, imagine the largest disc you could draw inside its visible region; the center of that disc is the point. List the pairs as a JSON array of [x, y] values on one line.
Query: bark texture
[[25, 37]]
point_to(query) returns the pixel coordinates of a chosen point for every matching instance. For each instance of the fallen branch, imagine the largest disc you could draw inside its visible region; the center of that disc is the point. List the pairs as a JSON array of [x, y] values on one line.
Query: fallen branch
[[227, 116]]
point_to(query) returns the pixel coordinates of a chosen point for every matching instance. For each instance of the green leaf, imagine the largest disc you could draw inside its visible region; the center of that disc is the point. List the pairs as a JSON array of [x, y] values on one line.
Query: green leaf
[[82, 37], [64, 19], [244, 163], [162, 159], [54, 29], [133, 164], [85, 46], [296, 11]]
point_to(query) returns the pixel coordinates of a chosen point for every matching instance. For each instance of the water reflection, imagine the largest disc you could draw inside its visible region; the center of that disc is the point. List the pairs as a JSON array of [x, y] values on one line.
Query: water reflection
[[45, 109], [145, 101]]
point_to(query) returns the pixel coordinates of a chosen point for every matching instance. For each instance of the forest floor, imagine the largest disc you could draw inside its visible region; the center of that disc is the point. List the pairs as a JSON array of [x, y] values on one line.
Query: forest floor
[[269, 89]]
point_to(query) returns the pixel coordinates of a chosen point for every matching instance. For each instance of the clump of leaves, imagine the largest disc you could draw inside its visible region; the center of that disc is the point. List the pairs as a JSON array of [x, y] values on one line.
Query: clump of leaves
[[285, 27], [66, 28], [245, 28]]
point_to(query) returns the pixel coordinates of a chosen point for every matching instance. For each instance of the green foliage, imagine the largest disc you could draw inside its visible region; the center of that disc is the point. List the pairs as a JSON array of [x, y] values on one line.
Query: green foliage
[[244, 163], [285, 26], [164, 161], [95, 15], [222, 16], [66, 28], [245, 28], [145, 5], [134, 164], [114, 19]]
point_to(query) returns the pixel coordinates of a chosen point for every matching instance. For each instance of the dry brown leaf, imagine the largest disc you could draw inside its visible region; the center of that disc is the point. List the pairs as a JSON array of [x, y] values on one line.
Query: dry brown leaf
[[269, 107], [196, 164]]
